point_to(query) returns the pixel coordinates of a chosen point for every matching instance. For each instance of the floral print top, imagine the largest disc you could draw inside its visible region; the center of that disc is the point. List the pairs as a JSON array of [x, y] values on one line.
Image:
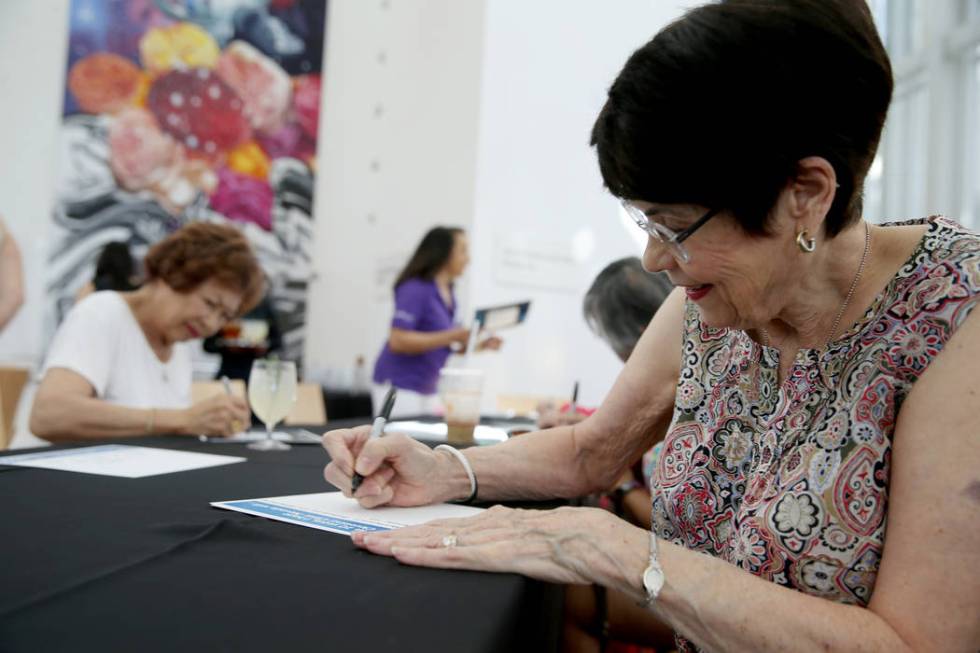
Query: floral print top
[[790, 482]]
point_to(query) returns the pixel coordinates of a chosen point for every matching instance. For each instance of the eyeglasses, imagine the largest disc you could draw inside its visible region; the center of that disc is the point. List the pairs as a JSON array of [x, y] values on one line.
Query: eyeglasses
[[664, 235]]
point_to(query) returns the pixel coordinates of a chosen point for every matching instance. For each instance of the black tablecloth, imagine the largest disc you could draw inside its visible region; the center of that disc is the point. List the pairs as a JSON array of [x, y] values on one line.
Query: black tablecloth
[[111, 564]]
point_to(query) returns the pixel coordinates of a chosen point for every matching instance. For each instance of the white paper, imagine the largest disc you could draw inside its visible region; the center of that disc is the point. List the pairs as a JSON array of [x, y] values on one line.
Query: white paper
[[335, 513], [438, 432], [119, 460]]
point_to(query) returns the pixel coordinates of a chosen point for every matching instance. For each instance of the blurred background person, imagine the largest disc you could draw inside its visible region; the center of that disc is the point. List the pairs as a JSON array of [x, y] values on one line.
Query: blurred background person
[[115, 269], [120, 364], [11, 276], [424, 330]]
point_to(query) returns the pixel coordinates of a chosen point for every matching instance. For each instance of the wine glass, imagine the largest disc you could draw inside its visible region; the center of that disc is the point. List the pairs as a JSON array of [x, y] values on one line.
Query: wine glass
[[271, 392]]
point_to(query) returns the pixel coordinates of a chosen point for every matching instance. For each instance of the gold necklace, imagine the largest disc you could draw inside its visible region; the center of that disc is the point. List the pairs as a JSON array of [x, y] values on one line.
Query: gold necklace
[[850, 291]]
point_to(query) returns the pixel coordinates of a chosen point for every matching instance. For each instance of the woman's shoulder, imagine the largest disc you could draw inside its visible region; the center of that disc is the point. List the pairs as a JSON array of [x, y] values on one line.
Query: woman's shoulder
[[947, 251], [416, 286], [104, 305]]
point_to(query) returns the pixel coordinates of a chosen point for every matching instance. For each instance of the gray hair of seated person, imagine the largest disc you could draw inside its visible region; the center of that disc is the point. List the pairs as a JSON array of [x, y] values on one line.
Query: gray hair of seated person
[[621, 302]]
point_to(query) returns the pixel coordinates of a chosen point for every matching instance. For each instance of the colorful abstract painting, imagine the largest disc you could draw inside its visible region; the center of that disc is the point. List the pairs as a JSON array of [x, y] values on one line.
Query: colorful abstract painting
[[184, 110]]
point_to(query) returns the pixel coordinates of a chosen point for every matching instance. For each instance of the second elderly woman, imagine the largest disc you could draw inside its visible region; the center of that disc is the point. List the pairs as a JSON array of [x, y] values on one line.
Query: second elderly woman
[[120, 363]]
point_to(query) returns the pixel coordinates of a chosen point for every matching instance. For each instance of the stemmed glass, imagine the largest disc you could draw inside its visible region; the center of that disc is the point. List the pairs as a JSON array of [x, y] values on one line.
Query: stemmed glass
[[271, 392]]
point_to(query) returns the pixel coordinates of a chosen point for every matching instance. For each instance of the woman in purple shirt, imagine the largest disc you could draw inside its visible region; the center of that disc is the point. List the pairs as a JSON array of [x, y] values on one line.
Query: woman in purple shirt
[[423, 330]]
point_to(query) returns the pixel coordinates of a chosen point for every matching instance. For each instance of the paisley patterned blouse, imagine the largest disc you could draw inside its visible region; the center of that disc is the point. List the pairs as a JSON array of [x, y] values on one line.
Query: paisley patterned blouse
[[790, 483]]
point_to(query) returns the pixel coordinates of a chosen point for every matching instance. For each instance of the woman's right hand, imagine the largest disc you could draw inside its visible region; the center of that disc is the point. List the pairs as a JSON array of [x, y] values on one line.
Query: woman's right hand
[[459, 338], [219, 415], [397, 470]]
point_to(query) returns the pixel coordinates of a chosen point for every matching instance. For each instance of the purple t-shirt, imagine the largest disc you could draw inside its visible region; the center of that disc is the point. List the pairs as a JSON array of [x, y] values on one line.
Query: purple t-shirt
[[418, 307]]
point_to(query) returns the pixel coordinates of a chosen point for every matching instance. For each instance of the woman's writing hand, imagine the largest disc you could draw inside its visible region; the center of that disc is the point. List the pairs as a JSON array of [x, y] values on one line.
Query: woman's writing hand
[[220, 415], [397, 470]]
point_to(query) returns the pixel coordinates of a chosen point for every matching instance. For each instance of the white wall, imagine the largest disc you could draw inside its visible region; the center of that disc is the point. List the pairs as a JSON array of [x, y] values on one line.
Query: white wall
[[547, 66], [33, 47], [486, 126], [397, 155]]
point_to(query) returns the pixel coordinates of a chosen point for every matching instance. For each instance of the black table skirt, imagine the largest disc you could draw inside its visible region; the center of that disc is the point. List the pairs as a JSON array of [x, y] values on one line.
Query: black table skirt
[[112, 564]]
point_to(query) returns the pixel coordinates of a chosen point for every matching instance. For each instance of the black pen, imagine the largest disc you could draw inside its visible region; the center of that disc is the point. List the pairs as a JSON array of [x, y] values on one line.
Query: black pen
[[572, 407], [377, 429]]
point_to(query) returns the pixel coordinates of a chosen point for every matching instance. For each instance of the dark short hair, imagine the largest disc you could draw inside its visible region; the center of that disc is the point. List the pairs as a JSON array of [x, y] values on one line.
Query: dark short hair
[[202, 251], [718, 109], [115, 268], [431, 254], [621, 302]]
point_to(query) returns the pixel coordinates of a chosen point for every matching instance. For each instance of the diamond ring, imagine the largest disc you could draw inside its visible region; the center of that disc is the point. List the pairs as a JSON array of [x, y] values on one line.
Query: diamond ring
[[449, 541]]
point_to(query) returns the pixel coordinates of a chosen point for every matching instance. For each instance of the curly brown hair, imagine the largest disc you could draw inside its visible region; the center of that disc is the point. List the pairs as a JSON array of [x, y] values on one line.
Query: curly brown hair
[[201, 251]]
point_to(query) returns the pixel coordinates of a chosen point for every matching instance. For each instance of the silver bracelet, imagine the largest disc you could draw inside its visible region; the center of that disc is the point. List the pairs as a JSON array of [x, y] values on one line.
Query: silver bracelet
[[466, 465]]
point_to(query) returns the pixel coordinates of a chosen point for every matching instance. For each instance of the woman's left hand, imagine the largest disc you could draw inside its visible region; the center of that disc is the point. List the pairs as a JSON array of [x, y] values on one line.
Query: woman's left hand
[[567, 545]]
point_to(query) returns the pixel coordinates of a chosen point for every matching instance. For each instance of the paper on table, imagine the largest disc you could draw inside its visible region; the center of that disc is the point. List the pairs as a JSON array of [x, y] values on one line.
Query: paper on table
[[333, 512], [438, 432], [119, 460]]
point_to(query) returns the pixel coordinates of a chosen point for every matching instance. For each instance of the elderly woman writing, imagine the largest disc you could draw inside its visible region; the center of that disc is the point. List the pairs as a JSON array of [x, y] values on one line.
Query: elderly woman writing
[[120, 364], [823, 383]]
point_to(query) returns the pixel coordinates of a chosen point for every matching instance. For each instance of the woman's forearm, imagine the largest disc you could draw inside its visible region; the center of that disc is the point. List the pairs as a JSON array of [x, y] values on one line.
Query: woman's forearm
[[720, 607], [68, 418], [541, 465], [11, 280]]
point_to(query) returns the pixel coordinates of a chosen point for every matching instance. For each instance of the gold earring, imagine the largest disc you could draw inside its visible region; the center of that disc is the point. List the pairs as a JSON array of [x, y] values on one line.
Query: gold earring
[[806, 243]]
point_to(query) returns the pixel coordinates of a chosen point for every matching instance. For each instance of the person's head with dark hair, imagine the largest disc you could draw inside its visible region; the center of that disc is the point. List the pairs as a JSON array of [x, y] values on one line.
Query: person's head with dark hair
[[115, 268], [202, 276], [722, 105], [621, 302], [739, 139], [442, 249]]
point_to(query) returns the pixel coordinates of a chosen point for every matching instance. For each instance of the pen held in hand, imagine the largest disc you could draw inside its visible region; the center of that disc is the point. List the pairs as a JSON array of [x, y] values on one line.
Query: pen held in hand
[[377, 429]]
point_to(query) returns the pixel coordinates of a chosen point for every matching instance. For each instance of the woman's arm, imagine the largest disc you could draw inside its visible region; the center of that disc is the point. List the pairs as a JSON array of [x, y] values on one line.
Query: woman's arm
[[66, 409], [11, 277], [927, 592], [570, 461], [406, 341], [567, 461]]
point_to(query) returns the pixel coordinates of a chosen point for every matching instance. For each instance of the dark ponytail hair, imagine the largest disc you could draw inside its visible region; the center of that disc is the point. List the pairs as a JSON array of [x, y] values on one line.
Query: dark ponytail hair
[[431, 254]]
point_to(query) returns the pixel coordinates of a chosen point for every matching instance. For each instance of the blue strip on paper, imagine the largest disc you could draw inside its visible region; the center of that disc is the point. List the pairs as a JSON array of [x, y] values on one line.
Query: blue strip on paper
[[297, 515], [60, 453]]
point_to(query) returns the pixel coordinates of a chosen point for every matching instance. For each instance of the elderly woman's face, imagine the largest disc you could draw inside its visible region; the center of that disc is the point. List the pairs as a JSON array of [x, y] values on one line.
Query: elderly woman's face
[[203, 311], [734, 278]]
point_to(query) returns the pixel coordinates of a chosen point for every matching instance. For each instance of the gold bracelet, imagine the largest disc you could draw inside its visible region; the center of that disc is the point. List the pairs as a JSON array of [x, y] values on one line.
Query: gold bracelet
[[150, 419]]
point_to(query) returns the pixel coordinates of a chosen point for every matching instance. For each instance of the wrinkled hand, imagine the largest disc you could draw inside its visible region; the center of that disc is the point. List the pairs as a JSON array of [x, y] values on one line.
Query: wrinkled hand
[[567, 545], [220, 415], [397, 470]]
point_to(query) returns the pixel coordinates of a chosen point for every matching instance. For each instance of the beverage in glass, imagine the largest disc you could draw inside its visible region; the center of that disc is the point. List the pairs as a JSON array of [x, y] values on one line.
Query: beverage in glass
[[271, 393]]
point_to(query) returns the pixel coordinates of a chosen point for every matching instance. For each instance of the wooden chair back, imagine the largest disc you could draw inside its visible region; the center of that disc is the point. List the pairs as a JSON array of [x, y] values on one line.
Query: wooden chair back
[[12, 382]]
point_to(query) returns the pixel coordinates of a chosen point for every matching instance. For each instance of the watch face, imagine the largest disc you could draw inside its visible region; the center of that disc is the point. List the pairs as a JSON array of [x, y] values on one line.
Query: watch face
[[653, 580]]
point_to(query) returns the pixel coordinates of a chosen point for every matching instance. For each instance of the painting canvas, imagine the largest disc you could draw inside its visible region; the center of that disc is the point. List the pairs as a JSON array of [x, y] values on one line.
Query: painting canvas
[[190, 110]]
